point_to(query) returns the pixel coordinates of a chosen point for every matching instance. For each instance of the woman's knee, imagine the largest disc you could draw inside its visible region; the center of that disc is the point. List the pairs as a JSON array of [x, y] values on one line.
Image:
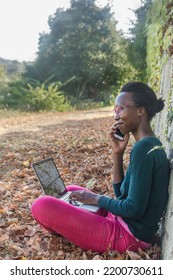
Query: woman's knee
[[74, 188], [41, 204]]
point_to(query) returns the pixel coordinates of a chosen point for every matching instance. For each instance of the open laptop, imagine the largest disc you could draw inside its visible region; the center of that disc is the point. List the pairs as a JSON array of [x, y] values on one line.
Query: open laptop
[[53, 185]]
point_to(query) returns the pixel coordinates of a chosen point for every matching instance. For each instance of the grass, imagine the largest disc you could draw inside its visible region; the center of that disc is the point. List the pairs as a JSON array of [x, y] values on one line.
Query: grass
[[8, 113]]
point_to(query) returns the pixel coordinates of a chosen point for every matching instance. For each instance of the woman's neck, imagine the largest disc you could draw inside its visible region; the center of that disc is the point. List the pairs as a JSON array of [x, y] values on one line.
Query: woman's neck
[[143, 131]]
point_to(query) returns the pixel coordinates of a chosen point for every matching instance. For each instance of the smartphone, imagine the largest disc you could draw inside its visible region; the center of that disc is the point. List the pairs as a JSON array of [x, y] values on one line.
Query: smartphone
[[119, 135]]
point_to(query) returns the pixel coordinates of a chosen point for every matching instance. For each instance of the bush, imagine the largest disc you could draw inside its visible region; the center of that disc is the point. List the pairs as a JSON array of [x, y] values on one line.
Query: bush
[[48, 98], [33, 97]]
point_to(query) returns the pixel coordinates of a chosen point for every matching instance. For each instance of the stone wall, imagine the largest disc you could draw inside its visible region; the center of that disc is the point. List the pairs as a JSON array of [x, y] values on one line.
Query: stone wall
[[163, 129]]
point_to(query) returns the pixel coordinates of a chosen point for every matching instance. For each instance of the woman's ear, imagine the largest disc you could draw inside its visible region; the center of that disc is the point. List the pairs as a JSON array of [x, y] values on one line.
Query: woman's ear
[[141, 111]]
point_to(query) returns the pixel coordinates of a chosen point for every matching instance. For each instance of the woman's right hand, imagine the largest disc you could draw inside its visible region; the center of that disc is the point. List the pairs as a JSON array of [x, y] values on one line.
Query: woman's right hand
[[118, 146]]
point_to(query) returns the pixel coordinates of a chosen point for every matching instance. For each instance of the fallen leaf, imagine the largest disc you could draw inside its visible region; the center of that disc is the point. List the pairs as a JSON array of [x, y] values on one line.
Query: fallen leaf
[[78, 143], [26, 163]]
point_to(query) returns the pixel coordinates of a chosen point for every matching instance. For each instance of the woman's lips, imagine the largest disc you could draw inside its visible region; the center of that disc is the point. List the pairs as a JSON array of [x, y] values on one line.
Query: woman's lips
[[120, 127], [119, 124]]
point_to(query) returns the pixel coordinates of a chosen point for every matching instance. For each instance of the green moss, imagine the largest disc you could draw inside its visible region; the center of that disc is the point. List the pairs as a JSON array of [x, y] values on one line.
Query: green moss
[[160, 47], [160, 40]]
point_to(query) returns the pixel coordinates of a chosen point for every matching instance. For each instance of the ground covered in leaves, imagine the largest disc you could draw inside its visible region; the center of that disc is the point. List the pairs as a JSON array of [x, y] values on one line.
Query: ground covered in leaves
[[78, 143]]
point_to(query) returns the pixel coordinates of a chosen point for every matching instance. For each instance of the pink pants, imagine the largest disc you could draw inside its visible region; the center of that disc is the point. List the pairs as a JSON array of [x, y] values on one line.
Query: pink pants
[[87, 230]]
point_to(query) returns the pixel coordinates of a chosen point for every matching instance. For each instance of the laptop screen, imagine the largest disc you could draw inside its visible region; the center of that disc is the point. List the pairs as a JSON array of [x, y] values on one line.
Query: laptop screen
[[49, 177]]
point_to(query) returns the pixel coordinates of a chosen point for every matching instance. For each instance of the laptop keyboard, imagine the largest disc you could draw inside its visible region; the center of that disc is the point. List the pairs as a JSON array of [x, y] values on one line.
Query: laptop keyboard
[[75, 203], [66, 199]]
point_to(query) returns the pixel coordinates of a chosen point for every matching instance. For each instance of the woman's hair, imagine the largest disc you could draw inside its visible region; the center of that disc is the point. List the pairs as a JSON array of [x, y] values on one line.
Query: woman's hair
[[144, 96]]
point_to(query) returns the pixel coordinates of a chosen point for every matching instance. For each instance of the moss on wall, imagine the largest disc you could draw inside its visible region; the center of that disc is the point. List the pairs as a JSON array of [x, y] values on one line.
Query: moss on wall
[[160, 74], [160, 48], [160, 39]]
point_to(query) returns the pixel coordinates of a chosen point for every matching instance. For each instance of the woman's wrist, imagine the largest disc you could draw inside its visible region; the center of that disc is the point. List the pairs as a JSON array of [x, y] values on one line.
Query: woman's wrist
[[97, 197], [118, 172], [117, 157]]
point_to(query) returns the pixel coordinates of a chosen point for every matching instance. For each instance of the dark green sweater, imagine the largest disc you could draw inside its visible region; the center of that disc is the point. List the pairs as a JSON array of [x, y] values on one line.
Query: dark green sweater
[[142, 195]]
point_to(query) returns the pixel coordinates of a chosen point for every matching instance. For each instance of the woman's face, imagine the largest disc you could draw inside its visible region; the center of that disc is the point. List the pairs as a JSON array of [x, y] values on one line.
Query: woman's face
[[127, 114]]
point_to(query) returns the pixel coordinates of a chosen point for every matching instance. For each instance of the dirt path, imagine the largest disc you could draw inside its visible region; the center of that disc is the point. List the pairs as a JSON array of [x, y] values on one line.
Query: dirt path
[[36, 121]]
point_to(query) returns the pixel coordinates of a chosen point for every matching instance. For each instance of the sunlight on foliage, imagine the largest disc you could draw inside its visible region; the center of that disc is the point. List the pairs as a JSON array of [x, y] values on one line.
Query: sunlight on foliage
[[49, 99]]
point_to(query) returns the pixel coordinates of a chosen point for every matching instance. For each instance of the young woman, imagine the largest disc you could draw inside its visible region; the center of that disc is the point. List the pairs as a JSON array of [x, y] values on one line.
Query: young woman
[[140, 195]]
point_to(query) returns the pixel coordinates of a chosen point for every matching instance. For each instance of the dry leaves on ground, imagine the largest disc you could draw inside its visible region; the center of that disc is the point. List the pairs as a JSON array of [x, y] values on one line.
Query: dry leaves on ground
[[82, 154]]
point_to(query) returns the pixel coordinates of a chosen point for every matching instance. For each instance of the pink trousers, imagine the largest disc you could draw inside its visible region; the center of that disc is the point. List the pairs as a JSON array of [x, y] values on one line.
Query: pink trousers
[[87, 230]]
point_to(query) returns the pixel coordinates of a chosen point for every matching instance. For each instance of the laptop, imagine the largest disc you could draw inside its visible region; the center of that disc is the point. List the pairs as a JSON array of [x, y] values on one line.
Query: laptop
[[53, 184]]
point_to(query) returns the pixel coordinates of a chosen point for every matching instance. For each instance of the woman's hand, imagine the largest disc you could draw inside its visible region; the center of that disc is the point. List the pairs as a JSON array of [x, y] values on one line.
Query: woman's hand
[[118, 146], [84, 197]]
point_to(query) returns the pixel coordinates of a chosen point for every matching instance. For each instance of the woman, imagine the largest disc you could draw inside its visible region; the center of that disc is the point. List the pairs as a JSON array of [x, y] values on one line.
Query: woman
[[141, 194]]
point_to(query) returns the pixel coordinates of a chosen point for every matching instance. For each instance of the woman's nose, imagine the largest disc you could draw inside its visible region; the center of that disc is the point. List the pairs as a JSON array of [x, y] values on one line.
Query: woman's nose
[[116, 116]]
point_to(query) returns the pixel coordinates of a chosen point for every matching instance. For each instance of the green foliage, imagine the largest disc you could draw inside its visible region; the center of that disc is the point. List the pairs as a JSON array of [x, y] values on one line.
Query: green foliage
[[2, 72], [84, 47], [14, 95], [160, 48], [160, 40], [48, 98], [137, 43], [33, 97], [10, 87], [12, 66]]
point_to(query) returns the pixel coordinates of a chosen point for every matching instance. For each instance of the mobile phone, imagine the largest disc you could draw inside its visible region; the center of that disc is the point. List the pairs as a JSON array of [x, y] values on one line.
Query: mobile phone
[[119, 135]]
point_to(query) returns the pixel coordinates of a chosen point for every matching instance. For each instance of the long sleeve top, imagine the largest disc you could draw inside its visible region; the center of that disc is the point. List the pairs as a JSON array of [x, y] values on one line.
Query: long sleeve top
[[142, 196]]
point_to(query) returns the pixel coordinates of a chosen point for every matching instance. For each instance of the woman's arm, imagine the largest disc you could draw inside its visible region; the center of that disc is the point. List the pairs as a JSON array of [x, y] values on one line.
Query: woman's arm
[[118, 148], [136, 186], [118, 173]]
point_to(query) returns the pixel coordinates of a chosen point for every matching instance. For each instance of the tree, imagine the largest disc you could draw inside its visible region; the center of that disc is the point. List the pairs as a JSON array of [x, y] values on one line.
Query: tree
[[12, 67], [3, 72], [138, 41], [83, 48]]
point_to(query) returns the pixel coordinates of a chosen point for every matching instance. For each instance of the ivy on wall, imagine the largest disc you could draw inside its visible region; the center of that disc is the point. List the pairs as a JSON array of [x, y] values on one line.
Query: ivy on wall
[[160, 45], [160, 39]]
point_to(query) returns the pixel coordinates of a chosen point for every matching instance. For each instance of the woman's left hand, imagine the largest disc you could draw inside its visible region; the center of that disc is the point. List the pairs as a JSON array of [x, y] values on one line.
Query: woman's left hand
[[86, 197]]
